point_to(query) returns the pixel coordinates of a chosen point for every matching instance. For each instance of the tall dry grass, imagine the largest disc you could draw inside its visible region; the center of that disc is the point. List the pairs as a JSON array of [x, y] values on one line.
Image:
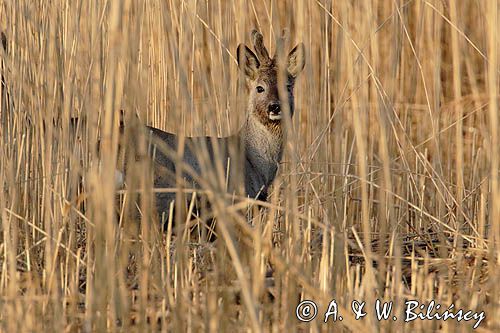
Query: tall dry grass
[[389, 188]]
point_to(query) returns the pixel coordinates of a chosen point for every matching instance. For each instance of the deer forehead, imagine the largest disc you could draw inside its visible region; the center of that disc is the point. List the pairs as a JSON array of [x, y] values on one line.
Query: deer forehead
[[269, 76]]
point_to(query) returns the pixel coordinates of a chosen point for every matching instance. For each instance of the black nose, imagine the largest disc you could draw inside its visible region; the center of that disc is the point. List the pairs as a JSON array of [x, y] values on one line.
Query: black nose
[[274, 108]]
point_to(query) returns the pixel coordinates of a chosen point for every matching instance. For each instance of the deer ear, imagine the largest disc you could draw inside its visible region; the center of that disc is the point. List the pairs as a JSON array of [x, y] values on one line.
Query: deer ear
[[296, 60], [247, 61]]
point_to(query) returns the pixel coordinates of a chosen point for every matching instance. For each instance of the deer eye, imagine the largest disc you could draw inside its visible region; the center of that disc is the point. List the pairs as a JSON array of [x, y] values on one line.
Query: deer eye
[[260, 89]]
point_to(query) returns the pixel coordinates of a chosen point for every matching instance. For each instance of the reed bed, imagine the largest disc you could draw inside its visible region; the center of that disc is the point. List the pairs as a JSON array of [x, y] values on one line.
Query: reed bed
[[389, 189]]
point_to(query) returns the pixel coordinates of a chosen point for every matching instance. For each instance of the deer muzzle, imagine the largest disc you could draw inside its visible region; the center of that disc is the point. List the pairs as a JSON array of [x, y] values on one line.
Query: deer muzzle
[[274, 111]]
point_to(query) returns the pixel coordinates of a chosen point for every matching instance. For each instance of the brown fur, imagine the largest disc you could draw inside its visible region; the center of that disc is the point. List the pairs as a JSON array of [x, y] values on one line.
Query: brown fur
[[261, 138]]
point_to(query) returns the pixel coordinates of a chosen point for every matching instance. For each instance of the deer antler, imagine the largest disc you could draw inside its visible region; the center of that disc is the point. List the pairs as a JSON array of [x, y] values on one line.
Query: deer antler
[[280, 45], [260, 49]]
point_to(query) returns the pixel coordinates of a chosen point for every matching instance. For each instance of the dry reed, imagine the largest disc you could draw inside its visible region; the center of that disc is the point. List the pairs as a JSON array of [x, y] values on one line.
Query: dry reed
[[389, 188]]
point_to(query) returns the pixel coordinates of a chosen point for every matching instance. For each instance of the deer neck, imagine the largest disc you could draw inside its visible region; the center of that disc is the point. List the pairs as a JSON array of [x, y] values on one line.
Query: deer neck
[[263, 140]]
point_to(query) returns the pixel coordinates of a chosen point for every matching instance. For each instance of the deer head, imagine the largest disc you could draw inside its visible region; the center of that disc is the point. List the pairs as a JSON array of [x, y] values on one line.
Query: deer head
[[262, 75]]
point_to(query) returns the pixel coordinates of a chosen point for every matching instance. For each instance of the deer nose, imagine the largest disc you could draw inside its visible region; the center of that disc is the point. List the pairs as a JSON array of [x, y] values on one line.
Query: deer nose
[[274, 108]]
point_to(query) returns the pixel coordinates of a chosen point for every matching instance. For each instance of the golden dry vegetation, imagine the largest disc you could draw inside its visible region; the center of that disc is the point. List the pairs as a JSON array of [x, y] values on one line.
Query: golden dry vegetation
[[389, 188]]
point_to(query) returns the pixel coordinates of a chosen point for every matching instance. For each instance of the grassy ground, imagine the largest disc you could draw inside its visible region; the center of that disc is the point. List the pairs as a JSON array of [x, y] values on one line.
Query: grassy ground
[[389, 188]]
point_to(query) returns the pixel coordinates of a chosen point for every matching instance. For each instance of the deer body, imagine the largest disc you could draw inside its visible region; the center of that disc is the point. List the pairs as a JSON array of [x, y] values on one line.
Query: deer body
[[253, 154]]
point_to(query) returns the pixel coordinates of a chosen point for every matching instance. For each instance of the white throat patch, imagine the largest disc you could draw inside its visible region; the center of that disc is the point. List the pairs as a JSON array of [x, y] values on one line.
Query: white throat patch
[[275, 116]]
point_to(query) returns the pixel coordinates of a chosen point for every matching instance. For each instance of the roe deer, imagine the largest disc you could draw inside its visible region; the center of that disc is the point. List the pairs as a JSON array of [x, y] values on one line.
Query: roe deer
[[260, 141], [259, 144]]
